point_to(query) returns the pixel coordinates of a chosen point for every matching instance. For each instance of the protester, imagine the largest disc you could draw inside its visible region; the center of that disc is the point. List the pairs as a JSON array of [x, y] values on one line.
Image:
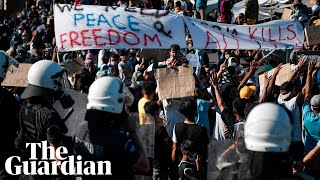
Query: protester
[[190, 137], [125, 68], [148, 92], [160, 141], [251, 12]]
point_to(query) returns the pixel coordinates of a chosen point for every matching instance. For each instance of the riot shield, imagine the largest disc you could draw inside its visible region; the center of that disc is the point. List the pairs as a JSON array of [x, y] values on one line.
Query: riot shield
[[226, 159], [146, 133], [75, 115]]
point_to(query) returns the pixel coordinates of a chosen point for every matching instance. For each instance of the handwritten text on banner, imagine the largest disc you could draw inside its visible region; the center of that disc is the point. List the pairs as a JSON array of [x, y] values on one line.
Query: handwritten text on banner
[[97, 27], [277, 34]]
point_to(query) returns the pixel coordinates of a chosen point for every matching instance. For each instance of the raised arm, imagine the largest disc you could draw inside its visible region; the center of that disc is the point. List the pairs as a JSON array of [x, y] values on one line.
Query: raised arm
[[301, 63], [274, 77], [307, 95], [264, 95], [252, 70], [219, 99]]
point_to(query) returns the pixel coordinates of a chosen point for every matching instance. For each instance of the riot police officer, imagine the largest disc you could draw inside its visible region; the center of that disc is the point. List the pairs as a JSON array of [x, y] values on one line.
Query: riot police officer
[[8, 111], [39, 121], [102, 135]]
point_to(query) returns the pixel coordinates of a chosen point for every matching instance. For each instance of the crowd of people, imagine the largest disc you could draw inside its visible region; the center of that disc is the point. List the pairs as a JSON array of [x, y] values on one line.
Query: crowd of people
[[279, 125]]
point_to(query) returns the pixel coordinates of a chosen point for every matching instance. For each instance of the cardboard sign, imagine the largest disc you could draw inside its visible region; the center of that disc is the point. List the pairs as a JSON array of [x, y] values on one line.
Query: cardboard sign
[[286, 13], [73, 65], [312, 35], [160, 54], [283, 75], [194, 60], [19, 78], [175, 82]]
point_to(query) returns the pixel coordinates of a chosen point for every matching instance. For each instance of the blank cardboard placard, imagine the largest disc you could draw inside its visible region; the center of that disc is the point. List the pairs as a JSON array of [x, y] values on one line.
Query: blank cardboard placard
[[19, 78], [312, 35], [282, 77], [175, 82], [286, 13], [73, 65]]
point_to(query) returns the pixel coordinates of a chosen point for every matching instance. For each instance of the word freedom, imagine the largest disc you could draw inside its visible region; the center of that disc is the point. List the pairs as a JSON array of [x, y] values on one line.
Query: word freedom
[[49, 166]]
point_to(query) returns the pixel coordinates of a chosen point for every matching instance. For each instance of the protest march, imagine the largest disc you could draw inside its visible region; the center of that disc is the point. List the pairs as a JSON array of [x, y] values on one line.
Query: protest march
[[160, 89]]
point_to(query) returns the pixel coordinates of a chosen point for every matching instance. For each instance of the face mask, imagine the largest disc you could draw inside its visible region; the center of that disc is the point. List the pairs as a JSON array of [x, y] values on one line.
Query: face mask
[[140, 83], [65, 99], [227, 56], [189, 45], [138, 58]]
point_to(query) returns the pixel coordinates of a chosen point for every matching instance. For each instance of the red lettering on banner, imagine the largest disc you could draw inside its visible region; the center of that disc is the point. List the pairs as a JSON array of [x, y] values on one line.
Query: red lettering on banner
[[280, 34], [262, 33], [134, 35], [270, 34], [85, 37], [74, 38], [252, 34], [225, 43], [236, 40], [151, 38], [96, 37], [110, 38], [292, 31], [208, 40], [297, 44], [62, 41]]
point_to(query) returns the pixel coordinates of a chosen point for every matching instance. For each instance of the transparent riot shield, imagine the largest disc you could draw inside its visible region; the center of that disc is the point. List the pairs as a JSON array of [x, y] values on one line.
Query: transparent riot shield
[[146, 133], [227, 159], [75, 115]]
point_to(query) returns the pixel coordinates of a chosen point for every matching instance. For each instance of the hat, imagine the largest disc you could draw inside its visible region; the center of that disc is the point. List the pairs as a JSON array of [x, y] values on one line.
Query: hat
[[247, 91], [89, 56], [315, 101], [286, 89], [20, 27]]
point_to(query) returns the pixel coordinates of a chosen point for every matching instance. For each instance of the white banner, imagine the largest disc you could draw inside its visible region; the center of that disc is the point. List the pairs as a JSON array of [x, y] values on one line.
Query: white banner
[[80, 27], [280, 34]]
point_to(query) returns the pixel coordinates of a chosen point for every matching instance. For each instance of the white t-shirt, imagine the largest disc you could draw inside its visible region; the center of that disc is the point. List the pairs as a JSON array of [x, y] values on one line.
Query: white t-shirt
[[292, 106]]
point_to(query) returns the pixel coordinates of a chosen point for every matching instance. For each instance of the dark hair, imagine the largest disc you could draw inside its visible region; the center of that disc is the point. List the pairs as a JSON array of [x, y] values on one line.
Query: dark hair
[[123, 52], [178, 4], [148, 87], [287, 86], [239, 106], [175, 47], [188, 109], [151, 107]]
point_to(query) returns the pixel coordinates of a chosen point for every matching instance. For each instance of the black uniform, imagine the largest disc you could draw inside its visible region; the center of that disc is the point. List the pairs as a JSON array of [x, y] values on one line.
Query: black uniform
[[39, 121], [8, 126], [95, 141]]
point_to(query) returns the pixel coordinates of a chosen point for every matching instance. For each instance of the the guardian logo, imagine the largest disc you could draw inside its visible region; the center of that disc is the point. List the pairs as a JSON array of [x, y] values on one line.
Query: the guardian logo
[[49, 166]]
